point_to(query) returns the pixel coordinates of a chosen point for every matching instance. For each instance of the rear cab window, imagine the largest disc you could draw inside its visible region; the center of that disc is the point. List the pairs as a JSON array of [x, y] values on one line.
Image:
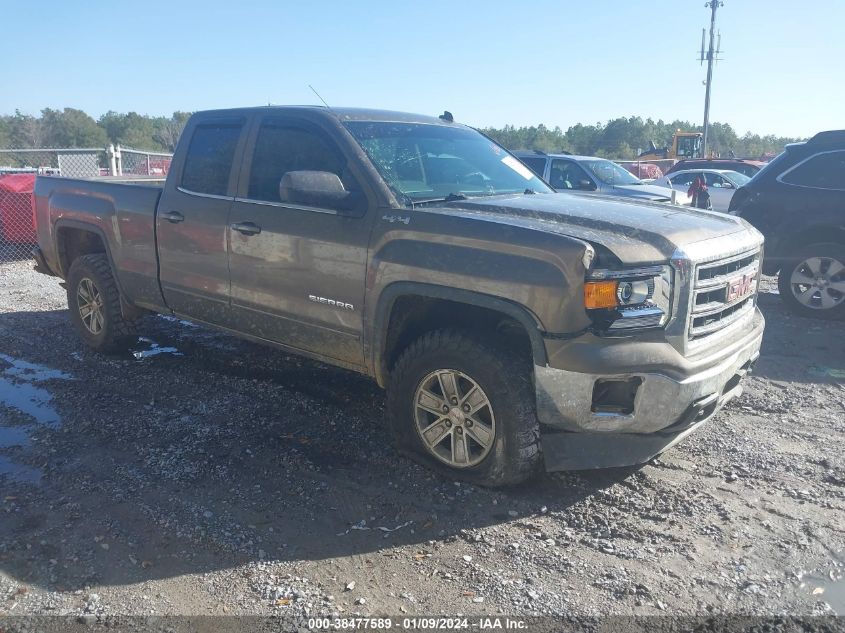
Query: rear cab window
[[208, 163]]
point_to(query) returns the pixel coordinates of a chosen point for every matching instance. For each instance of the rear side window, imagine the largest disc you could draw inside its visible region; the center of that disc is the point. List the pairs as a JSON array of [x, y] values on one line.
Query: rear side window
[[209, 160], [822, 171], [280, 148], [537, 165]]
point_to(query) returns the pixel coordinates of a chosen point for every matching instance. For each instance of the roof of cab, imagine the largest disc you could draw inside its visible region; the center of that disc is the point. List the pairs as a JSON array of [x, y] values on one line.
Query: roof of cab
[[342, 114]]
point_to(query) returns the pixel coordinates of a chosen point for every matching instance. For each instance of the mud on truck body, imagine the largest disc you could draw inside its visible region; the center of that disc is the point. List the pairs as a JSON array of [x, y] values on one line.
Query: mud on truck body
[[512, 327]]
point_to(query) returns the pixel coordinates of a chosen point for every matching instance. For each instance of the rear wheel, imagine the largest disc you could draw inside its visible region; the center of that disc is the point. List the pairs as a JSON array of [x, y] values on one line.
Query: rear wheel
[[94, 303], [812, 283], [465, 408]]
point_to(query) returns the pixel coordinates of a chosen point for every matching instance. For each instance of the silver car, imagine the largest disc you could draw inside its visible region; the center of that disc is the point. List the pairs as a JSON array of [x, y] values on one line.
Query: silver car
[[721, 184], [590, 174]]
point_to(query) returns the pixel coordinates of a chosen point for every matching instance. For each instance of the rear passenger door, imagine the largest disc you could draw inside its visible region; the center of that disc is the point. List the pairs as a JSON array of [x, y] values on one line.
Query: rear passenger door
[[297, 271], [191, 220]]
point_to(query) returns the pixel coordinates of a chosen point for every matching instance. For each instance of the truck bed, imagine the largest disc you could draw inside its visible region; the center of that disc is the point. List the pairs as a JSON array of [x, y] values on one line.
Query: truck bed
[[122, 212]]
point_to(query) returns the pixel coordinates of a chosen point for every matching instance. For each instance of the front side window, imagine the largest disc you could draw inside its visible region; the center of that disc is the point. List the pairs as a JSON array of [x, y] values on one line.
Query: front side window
[[714, 180], [208, 163], [280, 148], [684, 180], [421, 161], [737, 178], [566, 174], [822, 171]]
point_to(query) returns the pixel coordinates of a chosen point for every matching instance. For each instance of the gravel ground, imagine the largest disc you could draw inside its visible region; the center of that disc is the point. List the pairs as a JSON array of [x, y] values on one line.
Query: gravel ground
[[207, 475]]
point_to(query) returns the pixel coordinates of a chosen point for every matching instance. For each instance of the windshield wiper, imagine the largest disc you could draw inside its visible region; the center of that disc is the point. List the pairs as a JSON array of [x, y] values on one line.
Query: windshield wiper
[[452, 197]]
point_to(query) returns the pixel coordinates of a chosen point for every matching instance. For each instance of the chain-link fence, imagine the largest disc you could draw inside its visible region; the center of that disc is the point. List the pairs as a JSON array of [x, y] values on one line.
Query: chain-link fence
[[133, 162], [19, 167]]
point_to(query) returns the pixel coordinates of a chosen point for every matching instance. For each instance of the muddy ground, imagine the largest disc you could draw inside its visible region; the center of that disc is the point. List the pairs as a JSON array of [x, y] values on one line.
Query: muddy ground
[[207, 475]]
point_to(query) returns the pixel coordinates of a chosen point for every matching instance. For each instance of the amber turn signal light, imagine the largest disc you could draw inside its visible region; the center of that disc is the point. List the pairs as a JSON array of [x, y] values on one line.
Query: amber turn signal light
[[600, 294]]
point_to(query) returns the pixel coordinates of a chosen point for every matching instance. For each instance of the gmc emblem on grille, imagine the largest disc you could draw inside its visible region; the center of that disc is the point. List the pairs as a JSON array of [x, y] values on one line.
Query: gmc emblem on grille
[[739, 287]]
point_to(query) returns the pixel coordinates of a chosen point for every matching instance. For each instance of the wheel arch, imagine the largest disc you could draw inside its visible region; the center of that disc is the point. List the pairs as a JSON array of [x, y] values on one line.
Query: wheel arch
[[391, 329], [75, 239]]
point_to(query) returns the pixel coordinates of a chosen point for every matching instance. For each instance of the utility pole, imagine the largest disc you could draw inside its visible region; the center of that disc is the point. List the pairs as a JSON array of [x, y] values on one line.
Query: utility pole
[[711, 57]]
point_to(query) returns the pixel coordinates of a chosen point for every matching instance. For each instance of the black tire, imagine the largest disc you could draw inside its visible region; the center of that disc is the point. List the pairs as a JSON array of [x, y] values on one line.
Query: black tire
[[796, 265], [115, 334], [504, 378]]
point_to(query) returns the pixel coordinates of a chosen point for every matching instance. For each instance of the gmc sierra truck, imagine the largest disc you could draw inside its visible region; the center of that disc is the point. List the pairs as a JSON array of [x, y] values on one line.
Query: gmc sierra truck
[[512, 326]]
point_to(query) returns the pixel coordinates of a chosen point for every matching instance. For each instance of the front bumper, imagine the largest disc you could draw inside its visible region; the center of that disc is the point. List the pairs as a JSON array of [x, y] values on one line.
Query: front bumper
[[665, 408]]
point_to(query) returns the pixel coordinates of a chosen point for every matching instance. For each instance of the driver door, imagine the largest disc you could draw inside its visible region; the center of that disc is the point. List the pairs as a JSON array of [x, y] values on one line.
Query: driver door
[[297, 272], [721, 191]]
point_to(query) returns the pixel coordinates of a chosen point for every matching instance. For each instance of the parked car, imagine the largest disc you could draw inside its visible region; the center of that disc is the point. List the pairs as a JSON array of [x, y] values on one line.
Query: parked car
[[589, 174], [798, 202], [511, 326], [742, 165], [721, 184]]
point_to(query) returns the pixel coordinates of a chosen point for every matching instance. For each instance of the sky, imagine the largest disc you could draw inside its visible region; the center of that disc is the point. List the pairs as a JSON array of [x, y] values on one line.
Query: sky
[[489, 62]]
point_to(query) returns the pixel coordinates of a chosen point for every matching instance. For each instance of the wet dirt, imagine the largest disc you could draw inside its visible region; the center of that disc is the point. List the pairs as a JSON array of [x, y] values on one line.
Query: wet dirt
[[213, 476]]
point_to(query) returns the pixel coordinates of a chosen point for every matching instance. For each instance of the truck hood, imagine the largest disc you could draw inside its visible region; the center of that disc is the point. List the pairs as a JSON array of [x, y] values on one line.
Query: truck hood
[[644, 192], [635, 231]]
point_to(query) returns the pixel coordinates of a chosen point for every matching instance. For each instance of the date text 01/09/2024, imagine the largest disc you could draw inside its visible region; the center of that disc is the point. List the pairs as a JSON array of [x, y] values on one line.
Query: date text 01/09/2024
[[417, 623]]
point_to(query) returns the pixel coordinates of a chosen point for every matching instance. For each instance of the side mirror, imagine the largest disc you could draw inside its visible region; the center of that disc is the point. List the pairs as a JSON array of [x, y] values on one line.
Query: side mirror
[[586, 185], [727, 185], [320, 189]]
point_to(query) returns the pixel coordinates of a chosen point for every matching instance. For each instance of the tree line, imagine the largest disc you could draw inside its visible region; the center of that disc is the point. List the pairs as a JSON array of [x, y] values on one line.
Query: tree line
[[623, 138], [74, 128], [620, 138]]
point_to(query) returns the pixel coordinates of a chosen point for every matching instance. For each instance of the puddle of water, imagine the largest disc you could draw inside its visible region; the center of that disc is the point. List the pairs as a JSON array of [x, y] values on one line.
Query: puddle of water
[[19, 472], [31, 372], [830, 591], [155, 350], [174, 319], [18, 391], [14, 436]]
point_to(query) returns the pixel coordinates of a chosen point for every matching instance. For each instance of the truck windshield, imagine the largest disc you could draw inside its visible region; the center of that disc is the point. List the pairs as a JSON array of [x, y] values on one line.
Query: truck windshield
[[610, 173], [423, 161]]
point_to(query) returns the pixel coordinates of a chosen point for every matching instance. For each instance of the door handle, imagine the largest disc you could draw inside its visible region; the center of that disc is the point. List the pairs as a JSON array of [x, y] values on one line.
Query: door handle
[[174, 217], [246, 228]]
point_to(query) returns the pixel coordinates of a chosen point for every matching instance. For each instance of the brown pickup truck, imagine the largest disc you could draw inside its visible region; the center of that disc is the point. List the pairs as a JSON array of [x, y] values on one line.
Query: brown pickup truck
[[513, 327]]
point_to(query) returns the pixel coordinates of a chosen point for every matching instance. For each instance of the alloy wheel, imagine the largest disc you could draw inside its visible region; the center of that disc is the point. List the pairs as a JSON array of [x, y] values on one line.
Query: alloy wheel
[[819, 282], [454, 418], [90, 303]]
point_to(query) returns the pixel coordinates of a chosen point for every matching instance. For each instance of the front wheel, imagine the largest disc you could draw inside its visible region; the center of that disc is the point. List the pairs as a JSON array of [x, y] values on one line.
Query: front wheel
[[466, 408], [812, 283]]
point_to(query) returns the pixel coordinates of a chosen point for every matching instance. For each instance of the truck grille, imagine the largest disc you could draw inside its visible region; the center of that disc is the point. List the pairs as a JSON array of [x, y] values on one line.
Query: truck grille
[[724, 292]]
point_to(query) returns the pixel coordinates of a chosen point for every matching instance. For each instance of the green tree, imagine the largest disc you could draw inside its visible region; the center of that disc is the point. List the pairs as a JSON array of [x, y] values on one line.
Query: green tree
[[25, 131], [168, 131], [72, 128], [5, 131]]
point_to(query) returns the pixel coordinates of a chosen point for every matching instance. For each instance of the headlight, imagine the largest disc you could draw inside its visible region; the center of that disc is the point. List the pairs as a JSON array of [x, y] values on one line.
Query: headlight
[[628, 299]]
